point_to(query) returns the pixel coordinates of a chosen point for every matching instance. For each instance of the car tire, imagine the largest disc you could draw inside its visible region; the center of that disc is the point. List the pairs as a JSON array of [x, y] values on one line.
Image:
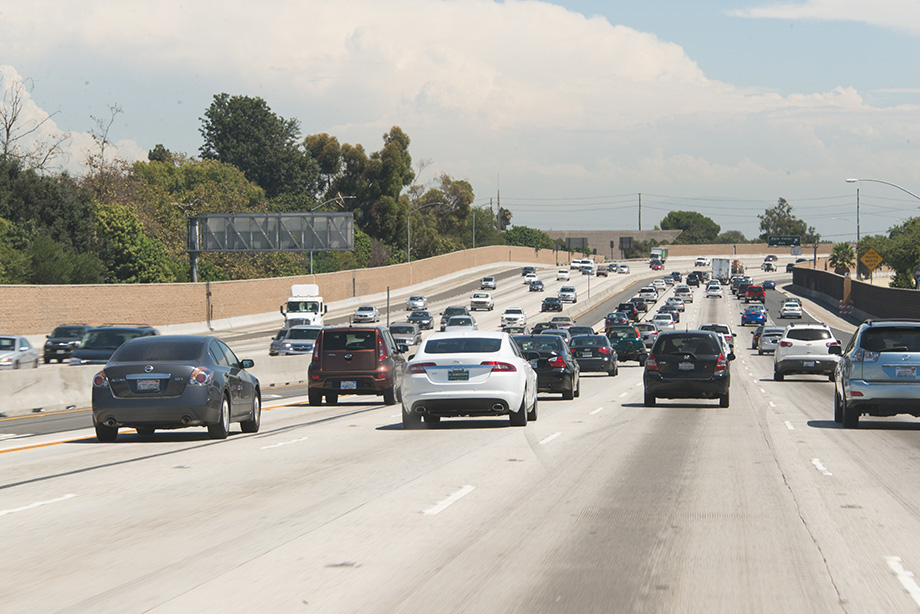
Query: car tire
[[411, 421], [255, 418], [578, 388], [569, 394], [849, 416], [106, 434], [222, 428], [316, 397], [145, 431], [830, 377], [777, 376], [612, 372], [838, 407], [723, 400], [649, 400], [432, 422], [389, 395], [642, 360], [519, 417], [332, 398], [532, 414], [760, 352]]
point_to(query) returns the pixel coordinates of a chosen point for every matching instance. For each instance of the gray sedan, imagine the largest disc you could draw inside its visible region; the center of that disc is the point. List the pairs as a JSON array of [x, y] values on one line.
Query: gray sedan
[[414, 303], [16, 352]]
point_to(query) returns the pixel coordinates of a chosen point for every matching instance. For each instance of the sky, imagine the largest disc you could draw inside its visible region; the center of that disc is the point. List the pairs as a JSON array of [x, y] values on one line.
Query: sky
[[567, 111]]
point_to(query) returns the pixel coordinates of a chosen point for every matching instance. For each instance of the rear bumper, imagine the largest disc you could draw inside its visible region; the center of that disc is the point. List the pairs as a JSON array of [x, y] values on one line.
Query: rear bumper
[[555, 381], [473, 403], [197, 406], [882, 399], [823, 365], [595, 364], [711, 388]]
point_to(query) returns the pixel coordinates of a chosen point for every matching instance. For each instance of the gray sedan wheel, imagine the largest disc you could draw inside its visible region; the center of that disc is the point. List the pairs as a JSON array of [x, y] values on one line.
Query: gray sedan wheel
[[222, 428], [255, 418]]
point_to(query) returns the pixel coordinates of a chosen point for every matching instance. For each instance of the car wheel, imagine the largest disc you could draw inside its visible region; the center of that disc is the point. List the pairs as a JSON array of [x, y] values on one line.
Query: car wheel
[[106, 434], [569, 394], [389, 395], [16, 365], [723, 400], [432, 422], [222, 428], [316, 397], [612, 372], [532, 414], [578, 387], [649, 400], [777, 376], [830, 377], [411, 421], [255, 418], [850, 417], [519, 417], [642, 360], [332, 398], [48, 360], [760, 352], [838, 407], [145, 431], [35, 364]]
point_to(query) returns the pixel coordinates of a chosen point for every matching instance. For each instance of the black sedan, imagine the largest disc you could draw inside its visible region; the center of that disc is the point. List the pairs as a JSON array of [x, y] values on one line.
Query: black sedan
[[594, 353], [422, 318], [557, 370], [687, 365], [551, 303], [175, 381]]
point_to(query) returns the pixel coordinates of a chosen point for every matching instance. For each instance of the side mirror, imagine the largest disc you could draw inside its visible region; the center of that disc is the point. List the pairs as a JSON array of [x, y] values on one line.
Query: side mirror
[[411, 357], [835, 350], [247, 363], [325, 309], [402, 349]]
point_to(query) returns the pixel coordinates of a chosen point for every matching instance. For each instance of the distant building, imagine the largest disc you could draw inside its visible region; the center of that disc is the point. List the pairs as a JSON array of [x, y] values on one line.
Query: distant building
[[607, 243]]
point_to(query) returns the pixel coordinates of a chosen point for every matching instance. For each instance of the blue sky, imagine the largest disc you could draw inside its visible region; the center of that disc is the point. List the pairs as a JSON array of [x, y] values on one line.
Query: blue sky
[[569, 108]]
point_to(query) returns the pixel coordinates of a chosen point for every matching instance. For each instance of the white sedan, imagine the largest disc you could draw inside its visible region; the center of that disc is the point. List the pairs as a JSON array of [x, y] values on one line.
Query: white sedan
[[562, 274], [460, 323], [790, 310], [663, 321], [514, 316], [474, 373], [713, 291], [530, 277]]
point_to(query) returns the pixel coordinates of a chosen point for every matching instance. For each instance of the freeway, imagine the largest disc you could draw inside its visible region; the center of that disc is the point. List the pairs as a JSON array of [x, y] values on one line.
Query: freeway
[[600, 505]]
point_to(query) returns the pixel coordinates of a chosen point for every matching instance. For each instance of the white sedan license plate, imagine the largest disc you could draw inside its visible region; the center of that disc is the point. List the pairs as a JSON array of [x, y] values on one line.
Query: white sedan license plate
[[906, 372], [148, 385], [458, 375], [348, 385]]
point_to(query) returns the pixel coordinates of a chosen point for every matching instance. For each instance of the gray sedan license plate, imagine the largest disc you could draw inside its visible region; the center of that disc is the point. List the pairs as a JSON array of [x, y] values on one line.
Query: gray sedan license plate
[[148, 385], [458, 375], [348, 385], [685, 366]]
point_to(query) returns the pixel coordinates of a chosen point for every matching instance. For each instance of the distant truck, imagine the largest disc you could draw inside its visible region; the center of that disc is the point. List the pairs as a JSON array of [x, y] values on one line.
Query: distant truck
[[659, 253], [721, 269], [305, 307], [737, 267]]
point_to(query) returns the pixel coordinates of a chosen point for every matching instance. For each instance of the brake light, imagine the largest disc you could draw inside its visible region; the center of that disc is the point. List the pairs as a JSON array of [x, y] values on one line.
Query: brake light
[[557, 362], [420, 367], [862, 355], [499, 366], [650, 363], [721, 363], [603, 350], [100, 380], [200, 376], [381, 349], [317, 345], [831, 343], [785, 344]]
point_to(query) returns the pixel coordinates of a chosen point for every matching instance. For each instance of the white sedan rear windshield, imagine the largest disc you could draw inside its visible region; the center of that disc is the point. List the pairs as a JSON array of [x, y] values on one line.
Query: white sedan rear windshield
[[464, 345]]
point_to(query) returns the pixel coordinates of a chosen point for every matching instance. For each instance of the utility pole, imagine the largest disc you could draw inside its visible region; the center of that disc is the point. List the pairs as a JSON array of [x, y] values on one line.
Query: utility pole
[[640, 210]]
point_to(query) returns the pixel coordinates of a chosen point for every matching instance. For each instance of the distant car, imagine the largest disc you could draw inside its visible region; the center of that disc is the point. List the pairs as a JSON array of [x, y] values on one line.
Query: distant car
[[601, 271], [469, 374], [460, 323], [660, 286], [299, 340], [567, 294], [406, 333], [562, 321], [539, 327], [769, 284], [551, 303], [770, 258], [640, 303], [755, 293], [514, 316], [628, 343], [424, 319], [557, 370], [693, 280], [648, 331], [175, 381], [482, 301], [670, 309], [98, 344], [723, 329], [616, 318], [275, 344], [563, 275], [805, 348], [17, 353], [453, 310], [623, 268], [664, 321], [657, 265], [759, 331], [753, 316], [677, 302], [790, 310], [649, 293], [536, 286], [594, 353], [487, 283], [414, 303], [687, 364], [700, 261], [630, 309], [684, 293], [61, 343], [365, 313], [713, 291], [530, 278], [577, 330], [528, 269], [514, 329], [769, 340]]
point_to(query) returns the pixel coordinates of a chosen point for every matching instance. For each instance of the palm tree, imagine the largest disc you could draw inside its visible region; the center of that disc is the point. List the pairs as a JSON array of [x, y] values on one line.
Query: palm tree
[[842, 258]]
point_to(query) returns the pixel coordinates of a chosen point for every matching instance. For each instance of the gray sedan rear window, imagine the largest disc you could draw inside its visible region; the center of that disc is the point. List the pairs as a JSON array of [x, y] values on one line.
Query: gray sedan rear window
[[179, 351]]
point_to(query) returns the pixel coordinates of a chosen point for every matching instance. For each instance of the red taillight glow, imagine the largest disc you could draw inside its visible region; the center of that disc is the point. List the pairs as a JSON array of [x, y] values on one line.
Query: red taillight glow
[[650, 363], [603, 350], [721, 363], [557, 362], [498, 366], [785, 344], [831, 343], [100, 380], [862, 355], [420, 367], [200, 376], [381, 349]]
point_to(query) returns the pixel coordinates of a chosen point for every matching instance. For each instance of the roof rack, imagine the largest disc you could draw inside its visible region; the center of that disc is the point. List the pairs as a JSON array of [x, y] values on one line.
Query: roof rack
[[872, 321]]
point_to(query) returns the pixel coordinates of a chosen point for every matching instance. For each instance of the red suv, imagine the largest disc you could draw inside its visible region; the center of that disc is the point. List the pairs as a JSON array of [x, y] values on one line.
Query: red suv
[[755, 293], [355, 360]]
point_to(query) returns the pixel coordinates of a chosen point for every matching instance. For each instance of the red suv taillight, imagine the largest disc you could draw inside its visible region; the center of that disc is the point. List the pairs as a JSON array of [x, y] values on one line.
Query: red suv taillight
[[721, 363], [381, 348], [861, 355], [498, 366], [650, 363], [317, 348], [785, 344]]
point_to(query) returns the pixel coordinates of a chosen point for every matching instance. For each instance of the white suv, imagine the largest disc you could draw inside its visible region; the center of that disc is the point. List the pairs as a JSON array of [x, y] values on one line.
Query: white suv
[[567, 294], [562, 274], [649, 293], [514, 316], [805, 348]]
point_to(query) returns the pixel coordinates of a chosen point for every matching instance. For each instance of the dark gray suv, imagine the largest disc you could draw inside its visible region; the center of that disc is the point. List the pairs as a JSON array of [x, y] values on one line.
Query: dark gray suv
[[878, 373]]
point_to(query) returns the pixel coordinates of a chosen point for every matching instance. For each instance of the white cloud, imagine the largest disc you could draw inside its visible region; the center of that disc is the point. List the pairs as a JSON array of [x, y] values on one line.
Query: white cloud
[[902, 15]]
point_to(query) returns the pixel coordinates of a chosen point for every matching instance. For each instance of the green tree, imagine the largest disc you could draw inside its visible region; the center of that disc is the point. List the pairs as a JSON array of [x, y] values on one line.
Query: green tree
[[779, 220], [697, 228], [841, 258], [243, 131], [731, 236], [528, 237], [131, 256], [15, 265], [902, 252]]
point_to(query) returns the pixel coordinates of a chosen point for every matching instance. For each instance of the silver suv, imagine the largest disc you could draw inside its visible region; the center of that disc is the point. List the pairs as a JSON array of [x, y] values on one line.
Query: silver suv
[[805, 348], [878, 373]]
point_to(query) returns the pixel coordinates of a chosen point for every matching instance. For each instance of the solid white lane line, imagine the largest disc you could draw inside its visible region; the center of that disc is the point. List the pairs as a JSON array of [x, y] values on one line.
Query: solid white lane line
[[549, 439], [34, 505], [820, 467], [906, 578], [284, 443], [396, 416], [443, 505], [789, 426], [13, 435], [597, 411]]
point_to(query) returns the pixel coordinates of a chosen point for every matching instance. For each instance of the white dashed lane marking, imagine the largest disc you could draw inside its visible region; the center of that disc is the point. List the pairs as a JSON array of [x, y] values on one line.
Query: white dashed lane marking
[[549, 439], [443, 505], [34, 505], [820, 467], [284, 443]]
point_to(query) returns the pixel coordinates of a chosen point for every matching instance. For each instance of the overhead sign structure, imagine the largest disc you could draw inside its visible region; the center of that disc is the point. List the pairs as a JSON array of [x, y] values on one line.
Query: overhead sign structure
[[784, 240], [871, 259]]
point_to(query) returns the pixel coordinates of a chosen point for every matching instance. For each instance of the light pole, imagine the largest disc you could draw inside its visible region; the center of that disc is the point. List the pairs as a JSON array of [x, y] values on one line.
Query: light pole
[[326, 202], [409, 227]]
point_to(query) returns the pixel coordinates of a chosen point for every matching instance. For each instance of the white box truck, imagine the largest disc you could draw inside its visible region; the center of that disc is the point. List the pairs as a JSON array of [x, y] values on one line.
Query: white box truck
[[305, 307], [721, 269]]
